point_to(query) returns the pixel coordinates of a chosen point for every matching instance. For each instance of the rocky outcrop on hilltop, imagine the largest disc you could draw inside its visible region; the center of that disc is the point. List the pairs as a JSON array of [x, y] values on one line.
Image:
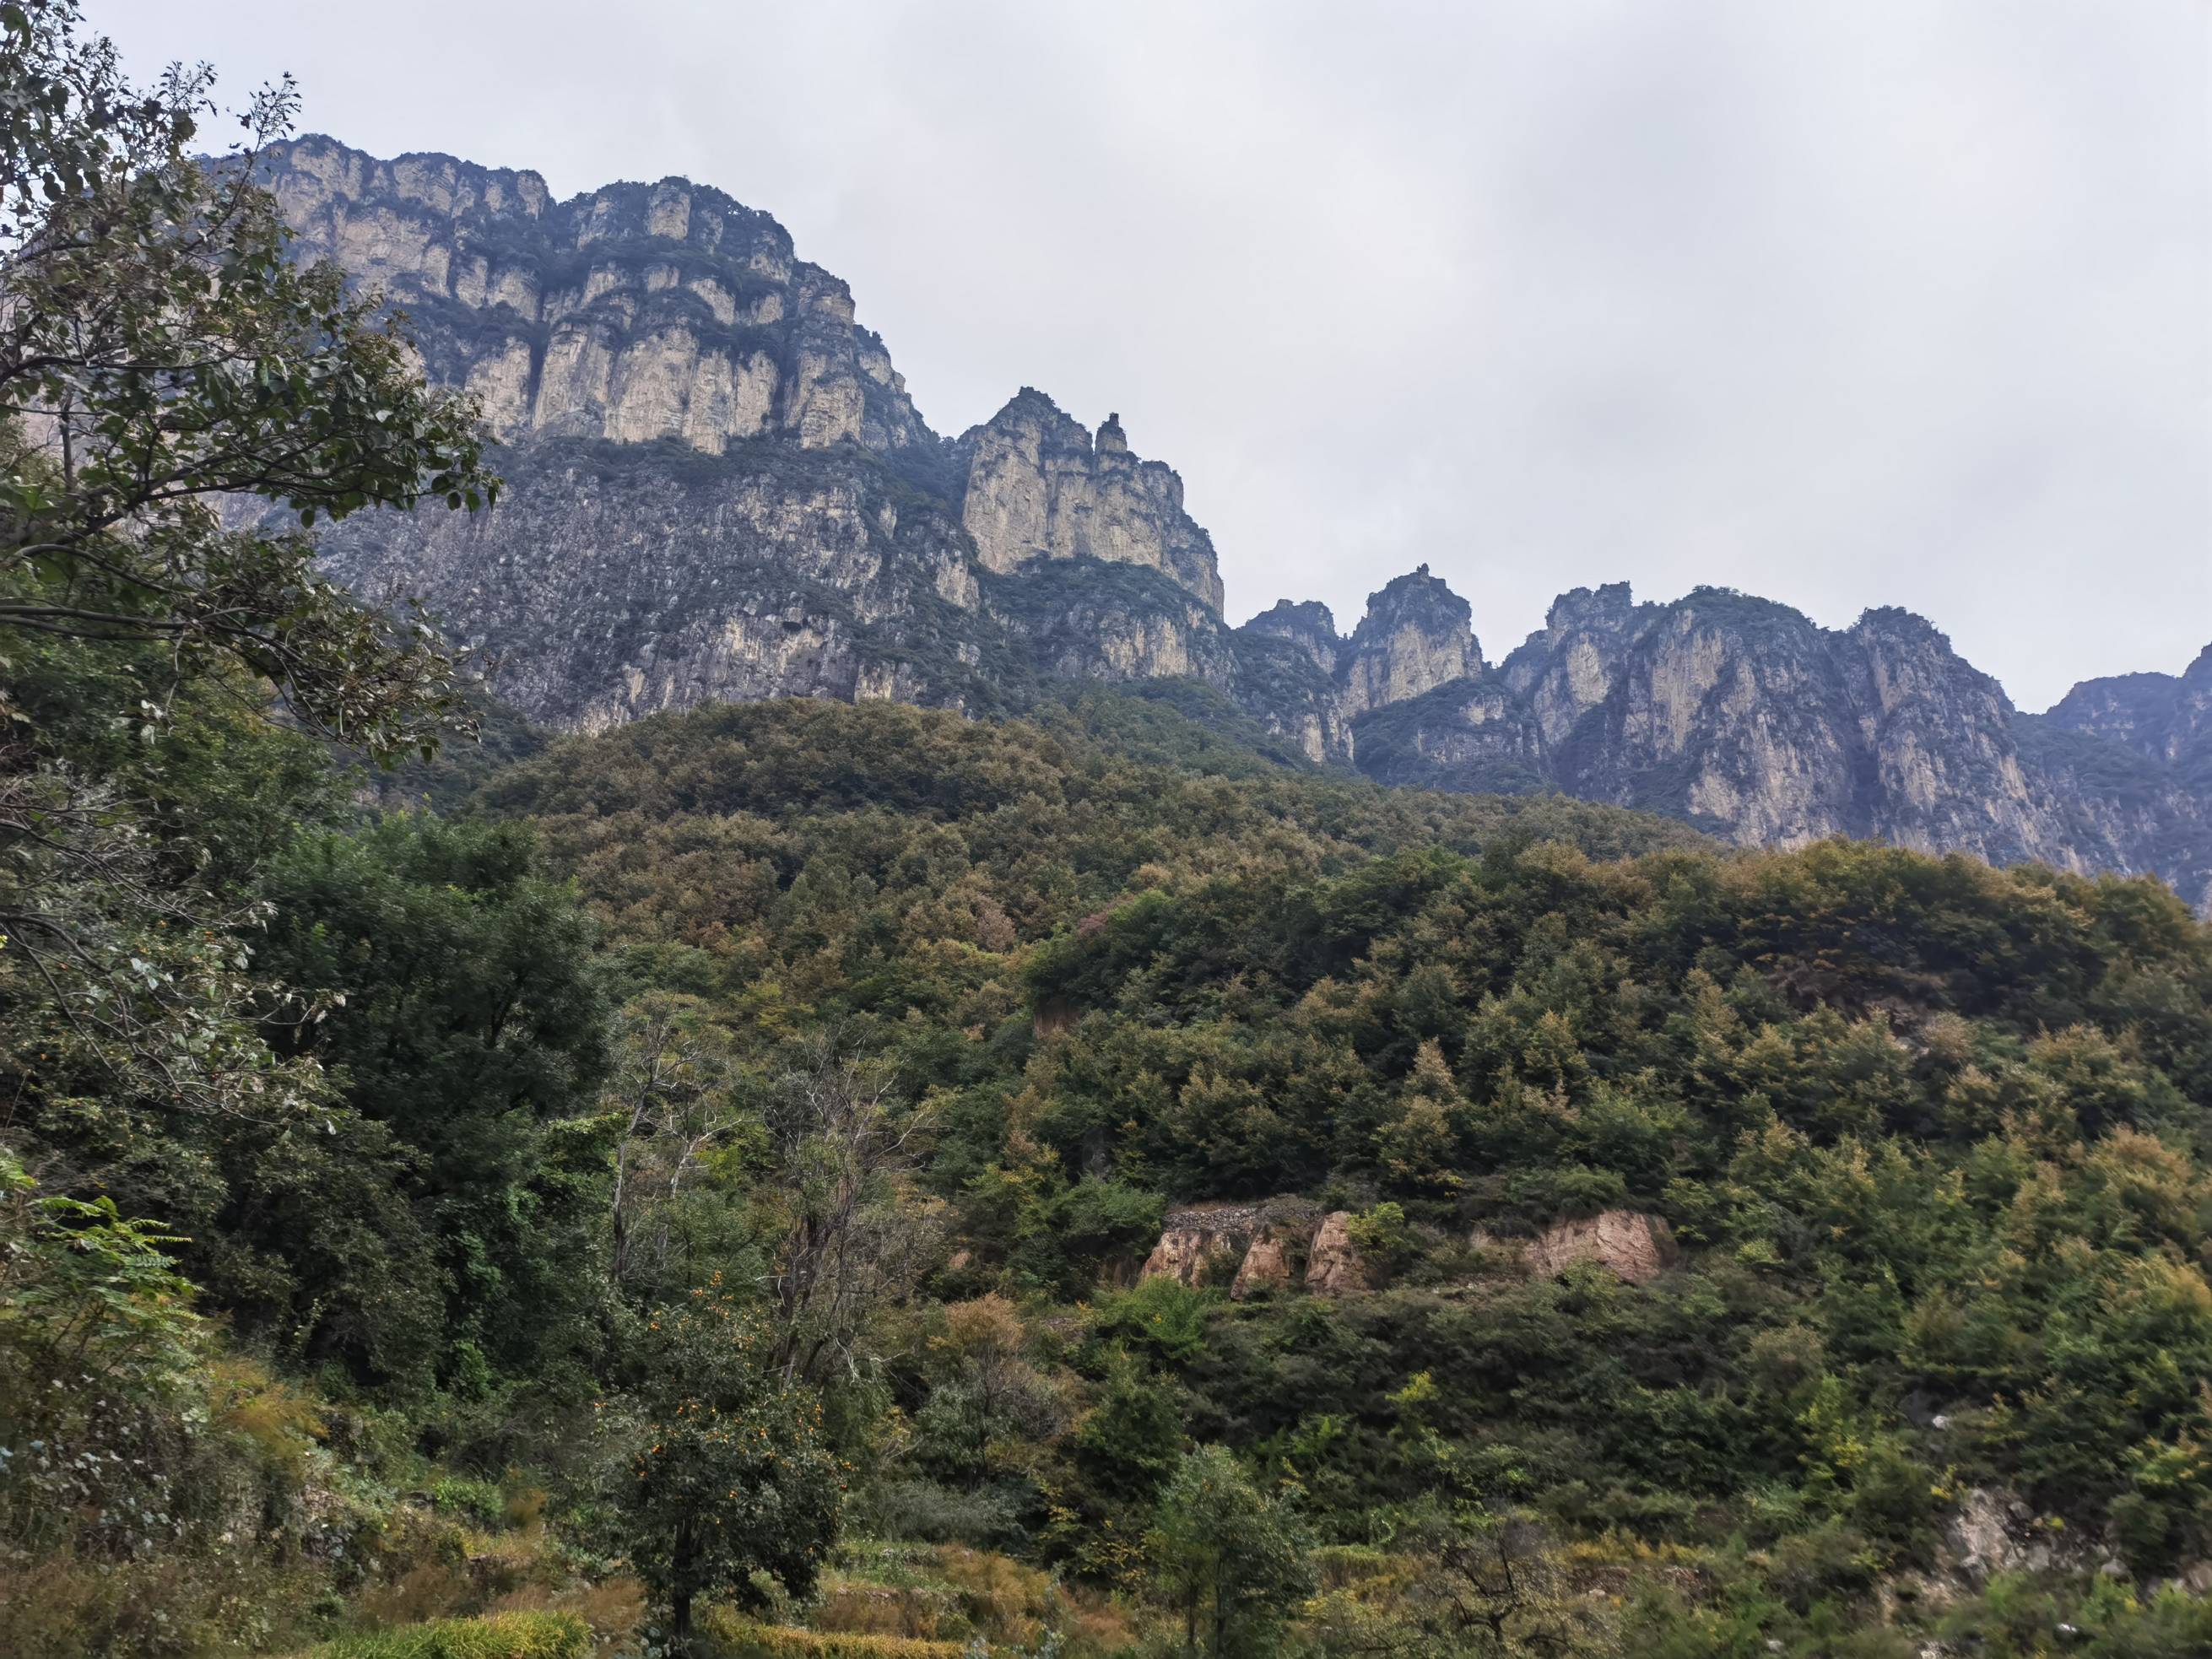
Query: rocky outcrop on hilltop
[[1417, 634], [1035, 485]]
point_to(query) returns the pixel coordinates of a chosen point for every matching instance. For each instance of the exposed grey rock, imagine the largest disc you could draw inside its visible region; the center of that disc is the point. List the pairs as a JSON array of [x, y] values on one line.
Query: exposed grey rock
[[1746, 717], [718, 487], [1307, 625], [635, 312], [1417, 634], [1035, 485]]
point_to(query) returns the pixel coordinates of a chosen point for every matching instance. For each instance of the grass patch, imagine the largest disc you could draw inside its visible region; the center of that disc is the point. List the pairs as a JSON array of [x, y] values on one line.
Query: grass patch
[[745, 1639], [495, 1636]]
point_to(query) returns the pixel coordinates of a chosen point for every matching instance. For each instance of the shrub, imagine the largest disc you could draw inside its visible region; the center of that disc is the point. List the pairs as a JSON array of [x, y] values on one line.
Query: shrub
[[936, 1514], [479, 1500]]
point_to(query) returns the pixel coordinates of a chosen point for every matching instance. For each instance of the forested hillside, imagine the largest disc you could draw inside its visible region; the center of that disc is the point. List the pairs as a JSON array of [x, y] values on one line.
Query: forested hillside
[[811, 1181]]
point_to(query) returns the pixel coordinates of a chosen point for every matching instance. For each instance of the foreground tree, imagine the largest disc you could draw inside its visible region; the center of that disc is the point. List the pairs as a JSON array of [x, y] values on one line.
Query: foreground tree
[[853, 1234], [162, 365], [472, 1033], [1231, 1561], [675, 1101], [728, 1476], [159, 354]]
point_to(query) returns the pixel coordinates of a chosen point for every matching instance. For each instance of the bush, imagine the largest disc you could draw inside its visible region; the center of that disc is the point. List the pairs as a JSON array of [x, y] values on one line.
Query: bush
[[460, 1494], [935, 1514], [495, 1636]]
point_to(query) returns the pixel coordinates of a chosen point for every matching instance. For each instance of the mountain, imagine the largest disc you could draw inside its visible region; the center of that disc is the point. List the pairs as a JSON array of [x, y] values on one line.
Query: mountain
[[719, 489], [1749, 719]]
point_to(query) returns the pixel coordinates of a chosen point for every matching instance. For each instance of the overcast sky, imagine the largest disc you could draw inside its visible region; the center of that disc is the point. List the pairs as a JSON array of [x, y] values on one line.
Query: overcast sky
[[1844, 302]]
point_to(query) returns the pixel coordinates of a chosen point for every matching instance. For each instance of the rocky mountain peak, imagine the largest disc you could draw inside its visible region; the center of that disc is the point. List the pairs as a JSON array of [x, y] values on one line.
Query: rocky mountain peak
[[1417, 634], [1898, 626], [1307, 625], [1035, 484], [1610, 607], [2167, 717]]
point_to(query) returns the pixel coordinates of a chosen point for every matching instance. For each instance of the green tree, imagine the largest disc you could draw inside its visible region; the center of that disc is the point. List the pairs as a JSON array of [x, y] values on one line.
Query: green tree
[[1227, 1558], [160, 356], [472, 1025], [728, 1476], [98, 1343], [674, 1099]]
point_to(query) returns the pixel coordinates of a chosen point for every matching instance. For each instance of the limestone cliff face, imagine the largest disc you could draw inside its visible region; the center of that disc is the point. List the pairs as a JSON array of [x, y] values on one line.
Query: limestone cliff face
[[1417, 634], [1308, 626], [635, 313], [605, 592], [718, 488], [1566, 670], [2162, 717], [1748, 719], [2132, 758], [1035, 485], [1471, 735]]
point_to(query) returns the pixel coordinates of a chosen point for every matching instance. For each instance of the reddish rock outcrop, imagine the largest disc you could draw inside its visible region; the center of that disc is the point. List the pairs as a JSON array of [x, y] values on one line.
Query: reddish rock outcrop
[[1631, 1245], [1267, 1269], [1199, 1243], [1335, 1267]]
